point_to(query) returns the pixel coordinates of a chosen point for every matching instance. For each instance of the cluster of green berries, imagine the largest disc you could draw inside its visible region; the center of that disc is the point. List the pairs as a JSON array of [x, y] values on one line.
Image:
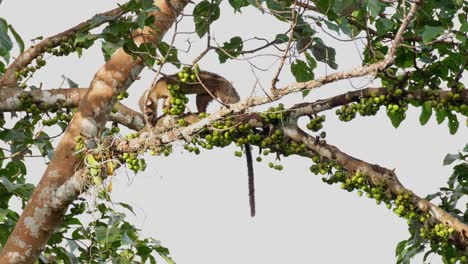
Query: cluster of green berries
[[60, 116], [188, 75], [27, 102], [225, 132], [40, 62], [274, 166], [177, 100], [439, 232], [358, 181], [325, 168], [315, 124], [114, 130], [165, 150], [193, 148], [405, 208], [133, 162], [66, 46], [122, 95], [453, 102], [131, 136], [274, 114], [402, 203], [463, 259], [31, 108], [368, 106], [111, 131]]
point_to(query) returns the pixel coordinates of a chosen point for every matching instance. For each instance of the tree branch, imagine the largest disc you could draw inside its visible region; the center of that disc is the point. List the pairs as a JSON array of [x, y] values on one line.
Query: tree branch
[[34, 51], [10, 100], [377, 175]]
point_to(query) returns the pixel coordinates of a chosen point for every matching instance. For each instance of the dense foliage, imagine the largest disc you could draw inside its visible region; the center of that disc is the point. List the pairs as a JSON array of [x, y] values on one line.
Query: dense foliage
[[426, 72]]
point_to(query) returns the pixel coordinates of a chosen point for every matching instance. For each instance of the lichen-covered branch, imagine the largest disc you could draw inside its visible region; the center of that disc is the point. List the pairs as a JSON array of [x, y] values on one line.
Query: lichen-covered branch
[[11, 100], [378, 175]]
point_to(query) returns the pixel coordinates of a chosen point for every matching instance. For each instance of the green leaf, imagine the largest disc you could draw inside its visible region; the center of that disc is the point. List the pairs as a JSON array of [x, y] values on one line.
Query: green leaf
[[305, 93], [325, 7], [429, 33], [2, 68], [324, 53], [148, 6], [230, 49], [280, 10], [70, 82], [396, 117], [281, 38], [426, 112], [17, 37], [440, 115], [141, 19], [3, 214], [128, 207], [5, 41], [450, 158], [345, 7], [238, 4], [301, 71], [311, 62], [464, 27], [85, 40], [2, 156], [170, 53], [204, 14], [23, 190], [257, 4], [384, 25], [109, 48], [453, 123], [106, 235], [375, 7], [332, 26], [400, 246]]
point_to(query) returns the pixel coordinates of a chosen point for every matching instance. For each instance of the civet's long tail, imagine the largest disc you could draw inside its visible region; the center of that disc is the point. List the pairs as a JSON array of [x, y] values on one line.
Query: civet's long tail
[[250, 172]]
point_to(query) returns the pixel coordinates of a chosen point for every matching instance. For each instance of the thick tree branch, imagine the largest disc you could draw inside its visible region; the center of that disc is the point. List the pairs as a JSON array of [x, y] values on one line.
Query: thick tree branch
[[10, 100], [377, 175], [39, 218]]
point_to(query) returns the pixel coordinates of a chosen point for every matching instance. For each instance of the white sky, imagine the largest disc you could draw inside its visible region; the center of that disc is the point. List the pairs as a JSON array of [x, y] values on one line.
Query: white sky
[[198, 205]]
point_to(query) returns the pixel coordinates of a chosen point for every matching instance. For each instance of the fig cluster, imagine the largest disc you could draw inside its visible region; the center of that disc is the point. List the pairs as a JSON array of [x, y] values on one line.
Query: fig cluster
[[178, 99], [396, 102], [269, 138], [66, 45], [188, 75], [315, 124], [402, 204], [122, 95], [133, 162]]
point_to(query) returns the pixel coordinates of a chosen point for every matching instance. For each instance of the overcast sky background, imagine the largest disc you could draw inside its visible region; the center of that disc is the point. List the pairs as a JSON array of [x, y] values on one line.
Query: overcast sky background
[[198, 205]]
